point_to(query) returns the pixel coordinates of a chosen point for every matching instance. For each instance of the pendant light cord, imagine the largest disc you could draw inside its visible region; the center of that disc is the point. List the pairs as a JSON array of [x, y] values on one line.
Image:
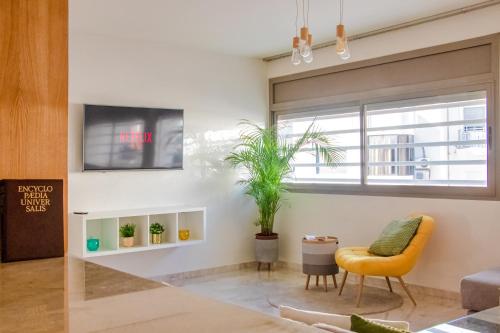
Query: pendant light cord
[[307, 16], [303, 13], [341, 10], [296, 18]]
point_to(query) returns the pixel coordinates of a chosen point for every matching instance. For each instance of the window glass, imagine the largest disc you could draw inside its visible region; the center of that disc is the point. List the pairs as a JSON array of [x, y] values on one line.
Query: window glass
[[342, 127], [440, 141]]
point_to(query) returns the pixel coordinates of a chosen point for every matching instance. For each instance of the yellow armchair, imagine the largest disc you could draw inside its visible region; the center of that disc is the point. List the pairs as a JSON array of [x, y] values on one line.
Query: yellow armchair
[[358, 260]]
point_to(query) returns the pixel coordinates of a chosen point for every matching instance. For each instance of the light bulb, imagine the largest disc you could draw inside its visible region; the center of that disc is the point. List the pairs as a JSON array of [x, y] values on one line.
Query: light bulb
[[309, 58], [340, 47], [304, 48], [346, 54], [296, 56], [295, 51]]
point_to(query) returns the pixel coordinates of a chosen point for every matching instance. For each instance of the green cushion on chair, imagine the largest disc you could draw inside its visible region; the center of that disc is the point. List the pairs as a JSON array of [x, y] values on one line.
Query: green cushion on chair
[[362, 325], [395, 237]]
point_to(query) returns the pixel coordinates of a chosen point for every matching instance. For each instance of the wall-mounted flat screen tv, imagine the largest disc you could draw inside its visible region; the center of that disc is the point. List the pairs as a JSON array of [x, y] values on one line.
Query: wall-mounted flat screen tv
[[127, 138]]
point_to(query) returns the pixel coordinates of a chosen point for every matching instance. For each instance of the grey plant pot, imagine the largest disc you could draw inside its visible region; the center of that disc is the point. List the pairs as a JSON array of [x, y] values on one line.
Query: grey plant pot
[[266, 248]]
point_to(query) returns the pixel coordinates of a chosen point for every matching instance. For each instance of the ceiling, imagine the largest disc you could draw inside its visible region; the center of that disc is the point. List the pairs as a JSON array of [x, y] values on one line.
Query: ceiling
[[253, 28]]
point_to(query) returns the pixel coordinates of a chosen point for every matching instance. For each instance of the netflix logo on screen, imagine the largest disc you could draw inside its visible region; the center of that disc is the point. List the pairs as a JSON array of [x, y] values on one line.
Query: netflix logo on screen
[[136, 137]]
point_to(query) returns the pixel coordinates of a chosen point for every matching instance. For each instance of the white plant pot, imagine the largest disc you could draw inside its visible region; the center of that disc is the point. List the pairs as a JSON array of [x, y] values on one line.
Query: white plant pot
[[266, 248]]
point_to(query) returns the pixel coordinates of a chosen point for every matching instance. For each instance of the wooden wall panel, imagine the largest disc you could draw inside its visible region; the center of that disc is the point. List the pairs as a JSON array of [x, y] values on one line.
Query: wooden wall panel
[[34, 90]]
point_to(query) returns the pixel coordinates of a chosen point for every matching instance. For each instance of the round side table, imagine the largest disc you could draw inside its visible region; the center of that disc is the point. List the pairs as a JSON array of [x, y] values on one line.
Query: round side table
[[318, 258]]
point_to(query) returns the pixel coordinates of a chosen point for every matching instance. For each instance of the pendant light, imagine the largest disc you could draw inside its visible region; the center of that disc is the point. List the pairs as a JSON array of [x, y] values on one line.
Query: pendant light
[[296, 57], [342, 48], [302, 46]]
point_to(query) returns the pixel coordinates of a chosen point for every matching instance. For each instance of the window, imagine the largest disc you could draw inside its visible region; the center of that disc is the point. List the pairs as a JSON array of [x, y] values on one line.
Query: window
[[426, 122], [342, 126], [432, 142], [438, 141]]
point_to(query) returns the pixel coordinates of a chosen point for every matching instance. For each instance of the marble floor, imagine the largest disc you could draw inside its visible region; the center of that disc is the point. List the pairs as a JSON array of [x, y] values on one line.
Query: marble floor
[[249, 288]]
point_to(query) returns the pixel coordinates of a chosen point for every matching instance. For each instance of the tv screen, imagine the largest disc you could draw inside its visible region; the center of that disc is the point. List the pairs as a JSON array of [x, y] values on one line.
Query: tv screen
[[123, 138]]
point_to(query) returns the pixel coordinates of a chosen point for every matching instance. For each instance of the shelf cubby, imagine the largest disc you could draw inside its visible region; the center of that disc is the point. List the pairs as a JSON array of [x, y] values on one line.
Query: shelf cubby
[[195, 222], [141, 229], [169, 222], [106, 230]]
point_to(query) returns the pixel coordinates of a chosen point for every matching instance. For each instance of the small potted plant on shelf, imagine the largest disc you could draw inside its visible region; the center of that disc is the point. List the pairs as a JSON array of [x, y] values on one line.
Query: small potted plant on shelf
[[156, 229], [127, 232], [268, 158]]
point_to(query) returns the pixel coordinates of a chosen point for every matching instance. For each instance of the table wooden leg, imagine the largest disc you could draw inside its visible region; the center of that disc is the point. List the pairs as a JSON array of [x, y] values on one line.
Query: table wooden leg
[[325, 283], [388, 283], [343, 282], [334, 281], [258, 266], [307, 281], [317, 280], [360, 290]]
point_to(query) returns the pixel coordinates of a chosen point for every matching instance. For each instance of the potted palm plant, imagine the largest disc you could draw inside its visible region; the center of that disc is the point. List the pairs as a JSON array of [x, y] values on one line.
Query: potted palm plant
[[267, 157]]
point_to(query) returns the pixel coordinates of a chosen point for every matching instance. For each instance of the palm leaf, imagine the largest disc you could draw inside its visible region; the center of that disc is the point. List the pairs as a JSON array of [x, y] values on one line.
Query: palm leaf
[[268, 158]]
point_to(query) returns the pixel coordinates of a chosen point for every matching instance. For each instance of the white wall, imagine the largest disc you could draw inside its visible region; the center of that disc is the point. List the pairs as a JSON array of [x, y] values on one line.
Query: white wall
[[467, 235], [215, 92]]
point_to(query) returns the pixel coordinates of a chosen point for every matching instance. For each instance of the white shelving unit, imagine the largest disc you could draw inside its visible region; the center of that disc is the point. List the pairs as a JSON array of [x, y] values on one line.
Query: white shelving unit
[[105, 227]]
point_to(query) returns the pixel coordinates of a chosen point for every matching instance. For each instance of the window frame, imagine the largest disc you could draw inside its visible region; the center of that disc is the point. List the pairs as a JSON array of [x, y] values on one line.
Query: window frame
[[426, 90]]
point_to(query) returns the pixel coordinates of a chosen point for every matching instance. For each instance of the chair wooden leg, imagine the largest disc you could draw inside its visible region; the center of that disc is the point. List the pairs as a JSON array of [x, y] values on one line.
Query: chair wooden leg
[[258, 266], [405, 287], [343, 282], [317, 280], [269, 267], [307, 281], [334, 281], [360, 290], [325, 283], [388, 283]]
